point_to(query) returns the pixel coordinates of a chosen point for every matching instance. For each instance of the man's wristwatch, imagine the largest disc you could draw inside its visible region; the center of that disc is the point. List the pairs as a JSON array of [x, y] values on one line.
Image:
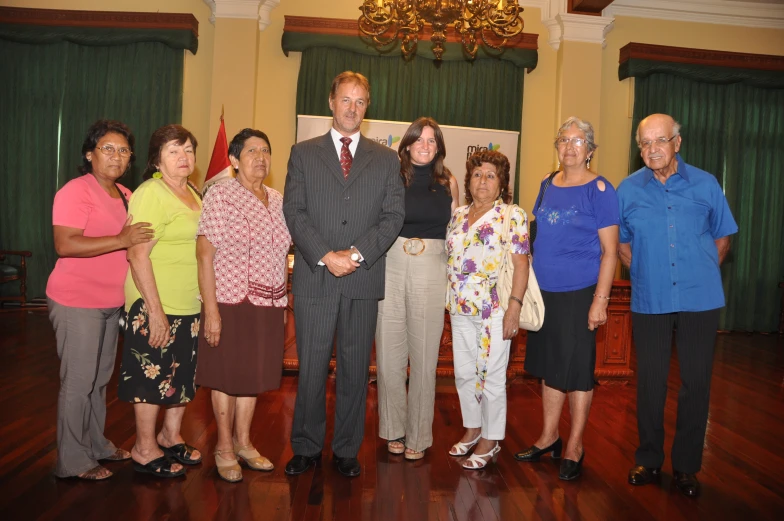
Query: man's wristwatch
[[355, 254]]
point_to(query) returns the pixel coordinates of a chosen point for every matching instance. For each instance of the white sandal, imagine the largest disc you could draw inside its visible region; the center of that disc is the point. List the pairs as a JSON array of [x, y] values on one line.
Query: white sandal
[[478, 461], [461, 449]]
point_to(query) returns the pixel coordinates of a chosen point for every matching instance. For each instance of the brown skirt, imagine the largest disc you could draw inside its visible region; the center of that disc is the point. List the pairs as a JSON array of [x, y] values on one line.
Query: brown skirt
[[249, 358]]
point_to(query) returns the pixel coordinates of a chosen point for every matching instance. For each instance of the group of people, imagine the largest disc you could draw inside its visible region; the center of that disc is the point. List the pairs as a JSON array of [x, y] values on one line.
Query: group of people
[[382, 245]]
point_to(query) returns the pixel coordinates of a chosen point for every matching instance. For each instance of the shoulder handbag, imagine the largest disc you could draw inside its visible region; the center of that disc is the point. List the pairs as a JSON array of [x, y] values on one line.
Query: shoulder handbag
[[532, 313], [532, 224]]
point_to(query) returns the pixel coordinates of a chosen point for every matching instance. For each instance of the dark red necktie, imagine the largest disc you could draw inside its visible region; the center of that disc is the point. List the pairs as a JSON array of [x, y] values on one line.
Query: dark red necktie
[[345, 156]]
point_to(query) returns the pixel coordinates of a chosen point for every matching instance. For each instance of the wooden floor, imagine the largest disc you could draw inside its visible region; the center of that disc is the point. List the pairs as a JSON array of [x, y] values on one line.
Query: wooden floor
[[742, 476]]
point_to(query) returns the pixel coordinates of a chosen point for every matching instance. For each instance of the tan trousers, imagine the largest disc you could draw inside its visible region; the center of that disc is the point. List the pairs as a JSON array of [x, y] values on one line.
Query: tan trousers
[[408, 331]]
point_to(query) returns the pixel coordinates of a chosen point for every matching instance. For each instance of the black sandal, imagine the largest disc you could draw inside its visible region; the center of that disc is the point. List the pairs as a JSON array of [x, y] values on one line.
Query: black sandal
[[402, 441], [182, 453], [159, 467]]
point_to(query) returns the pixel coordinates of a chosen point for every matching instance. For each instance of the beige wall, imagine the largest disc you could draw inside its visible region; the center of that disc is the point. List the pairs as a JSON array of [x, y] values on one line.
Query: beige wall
[[197, 83], [245, 71]]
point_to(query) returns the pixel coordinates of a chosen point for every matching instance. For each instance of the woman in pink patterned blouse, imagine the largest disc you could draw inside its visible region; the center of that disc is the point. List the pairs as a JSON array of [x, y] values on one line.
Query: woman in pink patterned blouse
[[241, 249]]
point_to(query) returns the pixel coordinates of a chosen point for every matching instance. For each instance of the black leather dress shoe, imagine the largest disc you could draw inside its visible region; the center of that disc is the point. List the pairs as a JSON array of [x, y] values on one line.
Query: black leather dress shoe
[[533, 453], [349, 467], [687, 483], [571, 469], [299, 464], [640, 475]]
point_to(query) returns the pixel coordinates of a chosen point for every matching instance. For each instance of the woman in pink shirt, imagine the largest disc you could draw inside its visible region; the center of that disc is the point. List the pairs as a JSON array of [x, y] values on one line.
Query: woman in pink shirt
[[85, 295], [241, 252]]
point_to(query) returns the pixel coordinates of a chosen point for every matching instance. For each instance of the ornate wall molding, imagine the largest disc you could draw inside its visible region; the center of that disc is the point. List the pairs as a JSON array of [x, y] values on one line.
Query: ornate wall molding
[[244, 9], [340, 27], [104, 19], [724, 12], [686, 55], [563, 25]]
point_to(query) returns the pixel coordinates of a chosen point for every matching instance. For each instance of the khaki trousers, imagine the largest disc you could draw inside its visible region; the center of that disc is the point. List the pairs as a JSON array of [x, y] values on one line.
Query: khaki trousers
[[408, 332]]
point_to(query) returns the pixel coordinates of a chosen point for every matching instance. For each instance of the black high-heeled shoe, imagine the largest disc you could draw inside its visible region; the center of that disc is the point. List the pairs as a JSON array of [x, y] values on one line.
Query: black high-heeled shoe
[[571, 469], [533, 453]]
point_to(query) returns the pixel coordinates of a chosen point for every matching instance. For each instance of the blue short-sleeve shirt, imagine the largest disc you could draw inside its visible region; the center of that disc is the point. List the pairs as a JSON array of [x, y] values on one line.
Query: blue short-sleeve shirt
[[672, 228]]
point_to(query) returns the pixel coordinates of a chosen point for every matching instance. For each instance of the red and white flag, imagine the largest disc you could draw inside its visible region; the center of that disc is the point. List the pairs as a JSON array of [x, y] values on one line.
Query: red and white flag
[[220, 167]]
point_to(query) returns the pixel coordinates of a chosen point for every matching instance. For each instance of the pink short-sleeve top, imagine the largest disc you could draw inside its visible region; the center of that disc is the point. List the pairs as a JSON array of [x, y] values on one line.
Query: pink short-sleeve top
[[89, 282], [252, 242]]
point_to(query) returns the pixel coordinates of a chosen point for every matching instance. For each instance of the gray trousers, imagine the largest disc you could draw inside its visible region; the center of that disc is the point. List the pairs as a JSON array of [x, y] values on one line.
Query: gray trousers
[[321, 323], [86, 346], [410, 324]]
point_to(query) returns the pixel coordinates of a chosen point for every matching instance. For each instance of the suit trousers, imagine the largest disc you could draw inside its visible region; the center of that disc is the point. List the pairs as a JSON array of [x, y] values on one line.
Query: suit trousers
[[322, 322], [410, 324], [86, 345], [490, 413], [695, 339]]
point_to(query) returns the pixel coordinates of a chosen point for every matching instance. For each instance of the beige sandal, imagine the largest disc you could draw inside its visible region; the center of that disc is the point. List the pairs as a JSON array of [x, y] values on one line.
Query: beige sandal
[[399, 446], [94, 474], [251, 457], [227, 467], [411, 454]]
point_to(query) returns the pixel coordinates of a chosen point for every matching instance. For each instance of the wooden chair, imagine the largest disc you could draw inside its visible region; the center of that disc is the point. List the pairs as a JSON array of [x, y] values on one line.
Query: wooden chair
[[11, 272]]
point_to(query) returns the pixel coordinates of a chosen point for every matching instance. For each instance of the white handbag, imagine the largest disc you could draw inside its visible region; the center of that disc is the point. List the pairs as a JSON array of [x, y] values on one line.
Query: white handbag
[[532, 313]]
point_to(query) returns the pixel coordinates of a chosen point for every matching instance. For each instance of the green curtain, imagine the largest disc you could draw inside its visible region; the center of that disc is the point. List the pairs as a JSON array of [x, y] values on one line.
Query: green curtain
[[736, 133], [485, 93], [49, 97]]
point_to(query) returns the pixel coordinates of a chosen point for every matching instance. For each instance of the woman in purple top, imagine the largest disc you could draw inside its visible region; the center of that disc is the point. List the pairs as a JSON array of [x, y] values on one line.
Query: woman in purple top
[[575, 258]]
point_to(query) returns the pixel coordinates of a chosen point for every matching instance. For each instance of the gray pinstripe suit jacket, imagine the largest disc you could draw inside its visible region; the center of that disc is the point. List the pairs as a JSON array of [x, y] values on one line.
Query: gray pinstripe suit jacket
[[326, 212]]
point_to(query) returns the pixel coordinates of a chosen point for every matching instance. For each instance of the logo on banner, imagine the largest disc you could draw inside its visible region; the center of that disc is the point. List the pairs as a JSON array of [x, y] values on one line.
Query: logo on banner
[[470, 149], [388, 141]]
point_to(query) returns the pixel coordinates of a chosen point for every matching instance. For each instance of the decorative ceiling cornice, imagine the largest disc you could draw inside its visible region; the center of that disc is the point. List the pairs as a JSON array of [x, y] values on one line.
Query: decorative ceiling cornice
[[567, 27], [724, 12], [246, 9]]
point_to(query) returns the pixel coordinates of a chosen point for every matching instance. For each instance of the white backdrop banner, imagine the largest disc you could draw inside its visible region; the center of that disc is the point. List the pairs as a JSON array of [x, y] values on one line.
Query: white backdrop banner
[[460, 142]]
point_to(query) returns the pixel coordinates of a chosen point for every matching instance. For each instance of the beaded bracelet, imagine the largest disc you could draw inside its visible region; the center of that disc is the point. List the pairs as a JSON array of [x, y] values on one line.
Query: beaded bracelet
[[512, 297], [601, 296]]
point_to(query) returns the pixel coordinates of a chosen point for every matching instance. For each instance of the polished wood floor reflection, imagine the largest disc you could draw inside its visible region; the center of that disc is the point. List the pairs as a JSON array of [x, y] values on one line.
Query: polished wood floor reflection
[[742, 477]]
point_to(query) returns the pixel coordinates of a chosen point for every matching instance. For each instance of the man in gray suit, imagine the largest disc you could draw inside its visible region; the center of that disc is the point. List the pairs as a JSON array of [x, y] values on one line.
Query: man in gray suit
[[344, 207]]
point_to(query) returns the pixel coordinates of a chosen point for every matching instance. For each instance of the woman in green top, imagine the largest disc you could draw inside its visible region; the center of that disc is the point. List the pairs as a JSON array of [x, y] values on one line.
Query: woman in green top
[[162, 300]]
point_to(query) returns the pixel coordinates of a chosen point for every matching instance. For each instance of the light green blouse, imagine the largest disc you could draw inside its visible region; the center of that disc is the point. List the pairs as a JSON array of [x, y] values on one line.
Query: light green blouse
[[174, 255]]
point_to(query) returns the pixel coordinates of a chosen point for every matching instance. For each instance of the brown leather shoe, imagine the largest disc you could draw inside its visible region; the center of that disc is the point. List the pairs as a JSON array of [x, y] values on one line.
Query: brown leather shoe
[[640, 475], [687, 483]]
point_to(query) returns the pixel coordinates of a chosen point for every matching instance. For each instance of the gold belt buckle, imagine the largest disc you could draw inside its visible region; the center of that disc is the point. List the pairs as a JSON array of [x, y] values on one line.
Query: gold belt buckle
[[409, 244]]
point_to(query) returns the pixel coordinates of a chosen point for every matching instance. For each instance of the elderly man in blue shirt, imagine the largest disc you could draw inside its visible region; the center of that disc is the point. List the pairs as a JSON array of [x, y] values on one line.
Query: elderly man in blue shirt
[[674, 234]]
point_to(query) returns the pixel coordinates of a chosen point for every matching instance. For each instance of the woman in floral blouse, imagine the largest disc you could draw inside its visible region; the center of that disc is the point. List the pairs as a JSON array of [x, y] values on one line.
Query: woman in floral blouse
[[482, 326], [242, 246], [162, 300]]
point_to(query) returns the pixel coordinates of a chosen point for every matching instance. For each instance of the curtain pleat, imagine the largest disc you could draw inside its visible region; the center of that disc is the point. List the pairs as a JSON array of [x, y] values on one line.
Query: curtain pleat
[[736, 133]]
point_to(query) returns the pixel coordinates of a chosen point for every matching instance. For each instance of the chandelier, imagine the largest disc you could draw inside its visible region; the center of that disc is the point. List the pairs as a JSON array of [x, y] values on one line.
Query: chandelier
[[490, 22]]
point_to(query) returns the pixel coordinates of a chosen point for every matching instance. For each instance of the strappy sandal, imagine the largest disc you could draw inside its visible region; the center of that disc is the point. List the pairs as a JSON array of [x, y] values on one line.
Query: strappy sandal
[[251, 457], [181, 452], [478, 461], [397, 450], [411, 454], [92, 474], [461, 449], [119, 455], [159, 467], [225, 466]]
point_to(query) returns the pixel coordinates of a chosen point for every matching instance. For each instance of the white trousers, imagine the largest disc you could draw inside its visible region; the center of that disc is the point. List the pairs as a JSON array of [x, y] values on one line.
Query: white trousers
[[490, 413]]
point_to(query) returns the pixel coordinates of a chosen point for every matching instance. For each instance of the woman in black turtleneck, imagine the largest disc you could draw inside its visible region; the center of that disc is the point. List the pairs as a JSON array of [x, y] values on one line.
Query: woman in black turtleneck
[[411, 316]]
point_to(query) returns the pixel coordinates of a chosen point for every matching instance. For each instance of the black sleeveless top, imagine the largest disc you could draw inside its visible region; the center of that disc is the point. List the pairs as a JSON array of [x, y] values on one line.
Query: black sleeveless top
[[428, 209]]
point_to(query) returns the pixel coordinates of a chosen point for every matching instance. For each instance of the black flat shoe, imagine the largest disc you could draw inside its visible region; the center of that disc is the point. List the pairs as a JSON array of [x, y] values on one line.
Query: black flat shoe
[[571, 469], [533, 453], [687, 483], [349, 467], [640, 475], [299, 464], [181, 452], [159, 467]]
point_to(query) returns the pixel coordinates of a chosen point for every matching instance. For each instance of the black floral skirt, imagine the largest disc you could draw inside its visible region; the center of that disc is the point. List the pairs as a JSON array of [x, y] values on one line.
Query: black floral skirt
[[160, 375]]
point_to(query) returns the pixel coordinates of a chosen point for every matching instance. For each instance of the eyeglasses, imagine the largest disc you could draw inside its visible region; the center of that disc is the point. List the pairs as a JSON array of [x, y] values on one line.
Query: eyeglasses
[[109, 150], [564, 141], [659, 141]]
